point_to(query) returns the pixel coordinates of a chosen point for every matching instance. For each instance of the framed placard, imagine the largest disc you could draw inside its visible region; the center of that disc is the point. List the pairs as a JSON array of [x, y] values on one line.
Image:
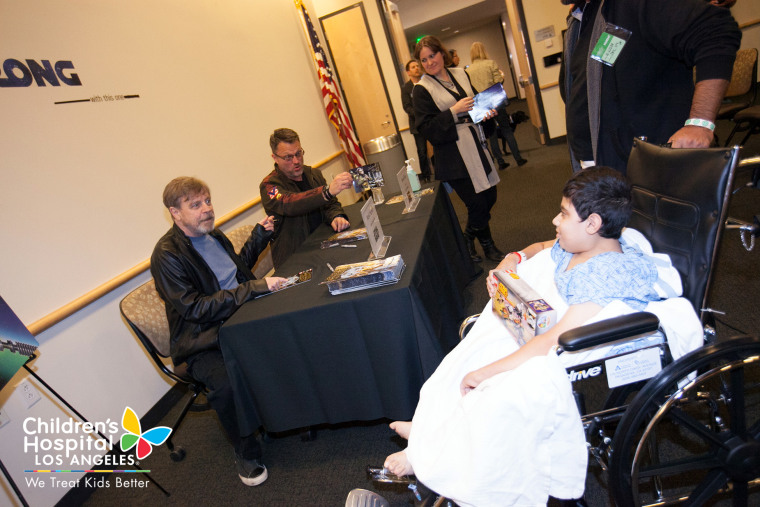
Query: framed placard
[[377, 240]]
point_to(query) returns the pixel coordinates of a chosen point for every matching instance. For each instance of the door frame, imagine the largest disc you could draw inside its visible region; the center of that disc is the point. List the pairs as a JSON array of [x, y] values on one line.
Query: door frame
[[528, 77], [360, 5]]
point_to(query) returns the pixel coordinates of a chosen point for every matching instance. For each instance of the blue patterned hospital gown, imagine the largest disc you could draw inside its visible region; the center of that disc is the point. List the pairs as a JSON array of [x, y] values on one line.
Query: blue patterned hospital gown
[[629, 276]]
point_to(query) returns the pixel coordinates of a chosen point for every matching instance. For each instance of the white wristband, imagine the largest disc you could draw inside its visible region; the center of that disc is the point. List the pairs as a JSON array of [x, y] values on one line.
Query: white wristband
[[697, 122]]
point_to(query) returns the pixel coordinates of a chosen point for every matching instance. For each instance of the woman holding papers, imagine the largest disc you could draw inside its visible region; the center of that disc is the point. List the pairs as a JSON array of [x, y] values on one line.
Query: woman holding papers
[[442, 99]]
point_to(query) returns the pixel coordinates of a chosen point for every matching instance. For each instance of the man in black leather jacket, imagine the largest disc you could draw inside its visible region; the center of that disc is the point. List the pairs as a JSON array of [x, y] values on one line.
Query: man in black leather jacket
[[203, 282]]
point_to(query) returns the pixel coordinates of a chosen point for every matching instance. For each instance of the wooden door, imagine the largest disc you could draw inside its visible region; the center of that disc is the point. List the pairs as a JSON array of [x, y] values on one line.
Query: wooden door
[[358, 71]]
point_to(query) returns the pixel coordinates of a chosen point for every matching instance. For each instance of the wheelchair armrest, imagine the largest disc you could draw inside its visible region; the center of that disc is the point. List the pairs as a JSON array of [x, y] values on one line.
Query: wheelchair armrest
[[608, 330]]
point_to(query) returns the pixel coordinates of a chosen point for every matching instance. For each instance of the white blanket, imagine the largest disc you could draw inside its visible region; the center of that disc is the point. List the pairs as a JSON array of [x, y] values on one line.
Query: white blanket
[[517, 438]]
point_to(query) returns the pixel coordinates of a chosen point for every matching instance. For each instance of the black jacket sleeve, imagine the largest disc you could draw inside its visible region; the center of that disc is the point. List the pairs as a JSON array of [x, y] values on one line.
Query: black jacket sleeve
[[256, 243]]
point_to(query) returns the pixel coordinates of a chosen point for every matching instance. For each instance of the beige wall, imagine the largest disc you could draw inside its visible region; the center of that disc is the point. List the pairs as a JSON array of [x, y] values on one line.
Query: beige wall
[[492, 36], [746, 12], [82, 182]]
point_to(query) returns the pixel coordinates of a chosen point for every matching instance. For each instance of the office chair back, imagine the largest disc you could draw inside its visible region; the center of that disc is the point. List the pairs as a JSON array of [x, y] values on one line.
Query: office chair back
[[680, 202], [238, 237], [742, 89], [144, 311]]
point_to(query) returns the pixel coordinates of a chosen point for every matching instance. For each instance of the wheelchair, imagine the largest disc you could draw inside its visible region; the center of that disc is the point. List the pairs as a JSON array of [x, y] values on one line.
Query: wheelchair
[[690, 432]]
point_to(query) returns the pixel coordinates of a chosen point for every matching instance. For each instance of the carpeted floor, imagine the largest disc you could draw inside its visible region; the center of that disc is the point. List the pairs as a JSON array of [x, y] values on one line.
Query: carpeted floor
[[322, 472]]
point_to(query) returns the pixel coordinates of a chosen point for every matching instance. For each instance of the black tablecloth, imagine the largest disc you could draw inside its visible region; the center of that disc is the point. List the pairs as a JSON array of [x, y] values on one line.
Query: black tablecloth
[[303, 357]]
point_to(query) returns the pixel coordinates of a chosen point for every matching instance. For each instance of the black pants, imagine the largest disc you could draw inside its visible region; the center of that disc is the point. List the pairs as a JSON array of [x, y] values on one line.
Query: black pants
[[504, 131], [422, 157], [208, 367], [478, 204]]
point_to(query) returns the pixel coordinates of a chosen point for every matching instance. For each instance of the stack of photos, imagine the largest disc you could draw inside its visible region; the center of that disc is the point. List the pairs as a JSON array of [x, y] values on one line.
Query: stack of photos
[[344, 238], [364, 275]]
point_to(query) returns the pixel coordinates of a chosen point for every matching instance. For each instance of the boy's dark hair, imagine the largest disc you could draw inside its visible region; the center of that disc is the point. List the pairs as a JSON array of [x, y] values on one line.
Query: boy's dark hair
[[604, 191]]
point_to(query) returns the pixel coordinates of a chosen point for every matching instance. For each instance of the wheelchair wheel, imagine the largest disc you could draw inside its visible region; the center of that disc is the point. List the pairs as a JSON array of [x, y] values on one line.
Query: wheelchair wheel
[[697, 442]]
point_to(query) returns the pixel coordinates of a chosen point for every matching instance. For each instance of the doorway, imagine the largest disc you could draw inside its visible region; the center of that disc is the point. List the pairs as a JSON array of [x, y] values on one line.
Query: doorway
[[498, 24], [358, 69]]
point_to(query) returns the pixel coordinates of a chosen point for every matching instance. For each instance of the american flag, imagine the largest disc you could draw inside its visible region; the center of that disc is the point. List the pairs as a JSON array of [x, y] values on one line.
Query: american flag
[[330, 96]]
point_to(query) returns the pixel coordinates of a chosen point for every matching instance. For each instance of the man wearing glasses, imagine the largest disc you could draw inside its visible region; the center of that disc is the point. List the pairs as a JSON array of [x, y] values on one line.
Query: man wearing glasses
[[298, 196]]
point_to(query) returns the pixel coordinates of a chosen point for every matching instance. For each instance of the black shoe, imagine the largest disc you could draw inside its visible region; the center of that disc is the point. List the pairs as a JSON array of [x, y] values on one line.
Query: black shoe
[[251, 471], [503, 165], [489, 247], [469, 238], [492, 253], [522, 162]]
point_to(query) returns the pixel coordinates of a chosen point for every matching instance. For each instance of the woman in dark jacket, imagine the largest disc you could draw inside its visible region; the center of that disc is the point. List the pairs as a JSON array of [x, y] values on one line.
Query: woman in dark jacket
[[442, 99]]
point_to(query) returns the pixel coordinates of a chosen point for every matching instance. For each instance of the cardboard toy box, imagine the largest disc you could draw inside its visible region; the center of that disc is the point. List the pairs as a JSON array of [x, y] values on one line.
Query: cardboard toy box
[[524, 312]]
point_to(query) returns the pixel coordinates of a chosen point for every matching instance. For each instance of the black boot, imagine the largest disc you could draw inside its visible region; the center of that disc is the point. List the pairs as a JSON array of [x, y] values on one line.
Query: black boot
[[489, 248], [469, 238]]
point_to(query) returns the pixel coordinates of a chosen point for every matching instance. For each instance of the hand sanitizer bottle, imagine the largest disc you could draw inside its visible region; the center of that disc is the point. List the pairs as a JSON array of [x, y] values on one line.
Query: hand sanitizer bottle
[[414, 181]]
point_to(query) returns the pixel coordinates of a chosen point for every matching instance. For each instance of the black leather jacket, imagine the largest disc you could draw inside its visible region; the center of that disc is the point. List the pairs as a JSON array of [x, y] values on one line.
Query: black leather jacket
[[195, 304]]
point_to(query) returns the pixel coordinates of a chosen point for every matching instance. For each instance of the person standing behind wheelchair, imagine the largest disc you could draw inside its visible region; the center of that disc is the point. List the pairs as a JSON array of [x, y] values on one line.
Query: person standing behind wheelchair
[[442, 99], [484, 73]]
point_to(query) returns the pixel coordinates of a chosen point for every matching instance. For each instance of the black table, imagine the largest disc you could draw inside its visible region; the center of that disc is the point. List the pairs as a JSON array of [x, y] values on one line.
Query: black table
[[303, 357]]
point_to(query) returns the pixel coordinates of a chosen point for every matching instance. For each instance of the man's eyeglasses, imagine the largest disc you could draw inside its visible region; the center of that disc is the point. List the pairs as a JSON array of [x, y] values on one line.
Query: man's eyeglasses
[[289, 158]]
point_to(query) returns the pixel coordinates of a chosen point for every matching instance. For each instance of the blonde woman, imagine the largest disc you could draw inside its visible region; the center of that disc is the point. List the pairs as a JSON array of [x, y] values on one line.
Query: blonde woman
[[484, 73]]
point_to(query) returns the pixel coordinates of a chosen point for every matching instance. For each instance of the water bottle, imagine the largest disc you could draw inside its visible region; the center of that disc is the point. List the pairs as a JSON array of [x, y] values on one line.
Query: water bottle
[[414, 181]]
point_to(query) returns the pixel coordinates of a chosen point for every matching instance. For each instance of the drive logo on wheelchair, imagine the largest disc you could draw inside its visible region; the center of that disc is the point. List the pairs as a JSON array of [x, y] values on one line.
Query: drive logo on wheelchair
[[581, 374], [622, 369]]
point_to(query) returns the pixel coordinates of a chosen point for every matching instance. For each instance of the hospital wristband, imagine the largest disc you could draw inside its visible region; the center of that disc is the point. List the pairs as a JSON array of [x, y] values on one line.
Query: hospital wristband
[[520, 256], [697, 122]]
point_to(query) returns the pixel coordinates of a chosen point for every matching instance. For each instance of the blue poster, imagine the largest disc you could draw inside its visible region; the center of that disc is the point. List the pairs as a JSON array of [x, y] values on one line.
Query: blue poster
[[16, 343]]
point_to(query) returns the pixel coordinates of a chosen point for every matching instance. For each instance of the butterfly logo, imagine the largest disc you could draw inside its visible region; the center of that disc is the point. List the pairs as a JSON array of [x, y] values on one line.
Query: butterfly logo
[[135, 436]]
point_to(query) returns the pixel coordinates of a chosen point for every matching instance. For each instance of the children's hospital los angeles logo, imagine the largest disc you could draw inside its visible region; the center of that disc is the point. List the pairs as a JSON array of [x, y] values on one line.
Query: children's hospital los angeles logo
[[144, 442], [58, 446]]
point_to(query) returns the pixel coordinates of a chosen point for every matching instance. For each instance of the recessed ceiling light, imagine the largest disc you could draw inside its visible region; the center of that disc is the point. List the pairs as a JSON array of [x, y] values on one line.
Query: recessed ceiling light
[[447, 28]]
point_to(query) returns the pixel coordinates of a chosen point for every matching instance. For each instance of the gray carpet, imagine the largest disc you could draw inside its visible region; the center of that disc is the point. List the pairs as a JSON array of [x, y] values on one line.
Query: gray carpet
[[322, 472]]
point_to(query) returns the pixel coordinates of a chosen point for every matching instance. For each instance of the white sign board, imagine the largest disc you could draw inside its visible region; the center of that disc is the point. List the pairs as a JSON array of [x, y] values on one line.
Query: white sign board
[[377, 240]]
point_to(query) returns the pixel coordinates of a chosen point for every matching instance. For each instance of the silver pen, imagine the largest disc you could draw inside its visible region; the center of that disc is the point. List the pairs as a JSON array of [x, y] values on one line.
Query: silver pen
[[331, 268], [348, 246]]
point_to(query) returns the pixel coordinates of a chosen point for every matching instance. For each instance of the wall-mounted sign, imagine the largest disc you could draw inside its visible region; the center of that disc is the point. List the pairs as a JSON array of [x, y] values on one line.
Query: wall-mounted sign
[[16, 74], [544, 33]]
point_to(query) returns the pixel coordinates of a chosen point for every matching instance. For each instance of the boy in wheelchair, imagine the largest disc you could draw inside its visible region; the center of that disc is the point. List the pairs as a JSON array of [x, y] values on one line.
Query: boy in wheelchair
[[497, 424]]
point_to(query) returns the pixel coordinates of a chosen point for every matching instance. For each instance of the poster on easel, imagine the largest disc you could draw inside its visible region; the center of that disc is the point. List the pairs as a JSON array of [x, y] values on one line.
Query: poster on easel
[[377, 240], [16, 343]]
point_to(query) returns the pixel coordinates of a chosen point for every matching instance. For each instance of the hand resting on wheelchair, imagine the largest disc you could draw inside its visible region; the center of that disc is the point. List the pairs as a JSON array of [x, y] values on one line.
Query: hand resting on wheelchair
[[497, 424]]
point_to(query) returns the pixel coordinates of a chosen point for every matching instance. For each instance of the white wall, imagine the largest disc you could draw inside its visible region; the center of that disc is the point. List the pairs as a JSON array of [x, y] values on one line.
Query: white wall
[[492, 36], [82, 182]]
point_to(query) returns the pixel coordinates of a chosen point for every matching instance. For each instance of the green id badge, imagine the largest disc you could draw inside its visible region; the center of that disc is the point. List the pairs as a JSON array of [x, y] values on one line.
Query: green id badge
[[610, 44]]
